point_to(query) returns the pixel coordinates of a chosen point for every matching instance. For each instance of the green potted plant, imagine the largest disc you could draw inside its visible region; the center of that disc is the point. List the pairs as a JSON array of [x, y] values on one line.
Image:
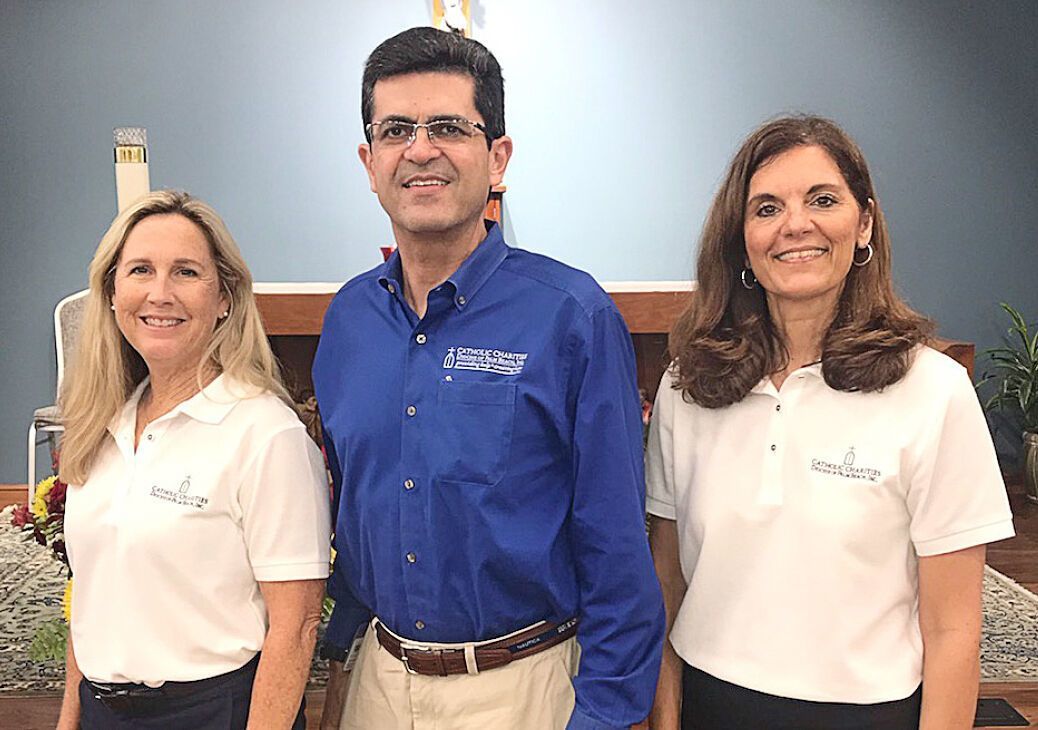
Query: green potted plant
[[1014, 371]]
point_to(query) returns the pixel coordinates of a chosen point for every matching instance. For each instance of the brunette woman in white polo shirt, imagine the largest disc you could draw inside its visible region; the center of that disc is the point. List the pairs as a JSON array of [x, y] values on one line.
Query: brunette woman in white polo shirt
[[197, 521], [822, 484]]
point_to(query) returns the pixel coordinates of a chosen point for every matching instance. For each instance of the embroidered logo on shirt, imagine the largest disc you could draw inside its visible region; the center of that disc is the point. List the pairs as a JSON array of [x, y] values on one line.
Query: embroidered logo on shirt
[[485, 359], [847, 469], [181, 496]]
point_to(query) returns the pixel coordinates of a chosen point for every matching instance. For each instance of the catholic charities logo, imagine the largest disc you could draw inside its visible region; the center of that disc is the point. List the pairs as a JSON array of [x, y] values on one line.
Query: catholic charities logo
[[485, 359], [181, 496], [848, 469]]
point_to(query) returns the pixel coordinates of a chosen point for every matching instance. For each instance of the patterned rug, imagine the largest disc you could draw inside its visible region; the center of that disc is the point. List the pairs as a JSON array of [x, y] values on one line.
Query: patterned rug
[[1009, 645], [31, 585]]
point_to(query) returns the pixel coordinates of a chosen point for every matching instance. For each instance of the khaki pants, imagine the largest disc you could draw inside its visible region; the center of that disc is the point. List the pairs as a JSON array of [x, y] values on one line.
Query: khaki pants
[[534, 693]]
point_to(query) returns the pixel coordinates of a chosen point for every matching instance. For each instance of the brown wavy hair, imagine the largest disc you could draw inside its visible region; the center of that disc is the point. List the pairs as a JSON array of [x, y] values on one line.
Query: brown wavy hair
[[725, 342]]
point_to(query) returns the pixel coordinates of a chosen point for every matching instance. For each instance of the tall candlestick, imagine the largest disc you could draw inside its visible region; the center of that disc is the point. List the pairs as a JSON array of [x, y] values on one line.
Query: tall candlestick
[[131, 165]]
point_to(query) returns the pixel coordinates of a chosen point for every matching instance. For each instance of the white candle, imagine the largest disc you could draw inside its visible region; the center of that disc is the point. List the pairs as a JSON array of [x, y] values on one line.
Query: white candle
[[131, 165]]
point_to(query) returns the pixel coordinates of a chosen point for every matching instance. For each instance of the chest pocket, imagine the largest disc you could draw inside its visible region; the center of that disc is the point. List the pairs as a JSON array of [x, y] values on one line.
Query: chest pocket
[[476, 421]]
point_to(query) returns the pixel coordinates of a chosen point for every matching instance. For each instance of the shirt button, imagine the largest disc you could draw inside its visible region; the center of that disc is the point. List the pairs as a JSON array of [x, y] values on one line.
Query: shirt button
[[449, 378], [150, 437], [773, 447], [461, 301], [409, 484], [419, 624], [778, 407], [420, 339], [412, 558], [392, 289], [411, 410]]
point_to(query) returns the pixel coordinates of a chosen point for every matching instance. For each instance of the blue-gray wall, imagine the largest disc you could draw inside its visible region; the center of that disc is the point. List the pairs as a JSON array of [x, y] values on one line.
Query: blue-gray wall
[[623, 114]]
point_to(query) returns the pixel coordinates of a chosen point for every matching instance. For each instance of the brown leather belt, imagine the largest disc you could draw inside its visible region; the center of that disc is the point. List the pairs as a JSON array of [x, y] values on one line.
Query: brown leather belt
[[491, 655]]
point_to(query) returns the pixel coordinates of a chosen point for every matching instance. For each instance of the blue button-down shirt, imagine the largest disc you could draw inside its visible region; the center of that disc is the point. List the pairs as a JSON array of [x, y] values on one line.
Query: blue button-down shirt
[[488, 463]]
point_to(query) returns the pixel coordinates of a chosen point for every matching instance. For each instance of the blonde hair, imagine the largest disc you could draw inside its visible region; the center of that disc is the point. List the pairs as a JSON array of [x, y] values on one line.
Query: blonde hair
[[106, 369]]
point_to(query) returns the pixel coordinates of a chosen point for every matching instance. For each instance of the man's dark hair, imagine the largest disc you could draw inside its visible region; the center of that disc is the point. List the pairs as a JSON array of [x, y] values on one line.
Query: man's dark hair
[[428, 50]]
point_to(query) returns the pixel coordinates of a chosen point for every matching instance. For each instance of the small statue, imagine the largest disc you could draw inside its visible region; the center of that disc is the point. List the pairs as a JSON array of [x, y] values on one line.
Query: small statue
[[454, 18]]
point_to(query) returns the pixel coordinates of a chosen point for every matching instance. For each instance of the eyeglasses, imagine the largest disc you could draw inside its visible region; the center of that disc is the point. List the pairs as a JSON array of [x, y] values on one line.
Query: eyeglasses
[[442, 132]]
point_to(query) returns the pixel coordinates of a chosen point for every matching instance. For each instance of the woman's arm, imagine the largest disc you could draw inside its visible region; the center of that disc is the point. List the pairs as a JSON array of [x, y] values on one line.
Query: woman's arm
[[950, 588], [69, 718], [294, 607], [663, 539]]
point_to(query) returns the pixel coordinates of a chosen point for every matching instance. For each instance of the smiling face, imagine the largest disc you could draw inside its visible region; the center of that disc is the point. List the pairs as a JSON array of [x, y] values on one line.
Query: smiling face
[[167, 295], [427, 189], [801, 226]]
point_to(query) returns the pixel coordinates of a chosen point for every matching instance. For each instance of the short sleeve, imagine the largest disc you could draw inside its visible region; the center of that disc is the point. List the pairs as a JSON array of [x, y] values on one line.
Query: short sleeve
[[659, 454], [956, 496], [285, 509]]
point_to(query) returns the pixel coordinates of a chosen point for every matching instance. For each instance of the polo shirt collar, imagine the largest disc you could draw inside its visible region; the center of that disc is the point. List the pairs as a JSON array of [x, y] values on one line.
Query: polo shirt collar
[[210, 405], [766, 387], [469, 277], [214, 402]]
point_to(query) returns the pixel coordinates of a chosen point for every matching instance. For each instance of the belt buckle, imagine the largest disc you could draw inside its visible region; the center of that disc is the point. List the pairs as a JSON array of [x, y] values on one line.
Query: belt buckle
[[406, 663], [406, 646], [113, 699]]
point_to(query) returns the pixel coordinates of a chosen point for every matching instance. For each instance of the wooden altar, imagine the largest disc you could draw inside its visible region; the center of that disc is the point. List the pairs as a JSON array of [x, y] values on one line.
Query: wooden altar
[[293, 313]]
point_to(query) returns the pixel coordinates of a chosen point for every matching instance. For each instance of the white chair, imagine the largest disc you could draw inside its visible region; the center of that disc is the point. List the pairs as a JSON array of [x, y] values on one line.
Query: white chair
[[67, 316]]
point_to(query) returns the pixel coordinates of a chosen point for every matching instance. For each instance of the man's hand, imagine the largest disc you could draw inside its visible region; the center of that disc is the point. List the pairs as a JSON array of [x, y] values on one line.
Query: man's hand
[[334, 696]]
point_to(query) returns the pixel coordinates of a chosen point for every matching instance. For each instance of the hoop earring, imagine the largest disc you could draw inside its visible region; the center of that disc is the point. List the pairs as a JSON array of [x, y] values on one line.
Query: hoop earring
[[753, 279], [868, 247]]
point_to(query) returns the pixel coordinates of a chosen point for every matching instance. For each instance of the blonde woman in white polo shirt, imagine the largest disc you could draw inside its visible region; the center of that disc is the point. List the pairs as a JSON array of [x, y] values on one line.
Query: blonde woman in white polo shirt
[[822, 484], [197, 519]]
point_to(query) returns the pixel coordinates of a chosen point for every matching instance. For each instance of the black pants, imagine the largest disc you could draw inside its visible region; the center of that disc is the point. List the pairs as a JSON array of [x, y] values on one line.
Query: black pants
[[709, 703], [222, 705]]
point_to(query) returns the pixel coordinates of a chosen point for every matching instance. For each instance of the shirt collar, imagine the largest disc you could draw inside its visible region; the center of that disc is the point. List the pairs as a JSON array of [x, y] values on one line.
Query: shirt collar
[[765, 386], [215, 401], [469, 277], [210, 405]]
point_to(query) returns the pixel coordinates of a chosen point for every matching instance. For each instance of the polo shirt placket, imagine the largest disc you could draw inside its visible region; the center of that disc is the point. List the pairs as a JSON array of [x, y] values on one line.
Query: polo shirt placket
[[781, 413], [138, 463]]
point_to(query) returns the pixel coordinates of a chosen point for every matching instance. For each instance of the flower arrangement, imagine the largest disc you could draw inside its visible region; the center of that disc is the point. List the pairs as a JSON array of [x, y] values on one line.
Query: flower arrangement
[[44, 521]]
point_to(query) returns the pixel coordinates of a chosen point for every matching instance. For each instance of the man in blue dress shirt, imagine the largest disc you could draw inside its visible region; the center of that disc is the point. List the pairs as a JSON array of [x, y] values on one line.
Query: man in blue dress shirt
[[483, 429]]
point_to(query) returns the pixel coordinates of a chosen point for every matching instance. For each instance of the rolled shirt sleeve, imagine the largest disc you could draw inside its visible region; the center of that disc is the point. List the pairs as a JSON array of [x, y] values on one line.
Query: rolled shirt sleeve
[[621, 608]]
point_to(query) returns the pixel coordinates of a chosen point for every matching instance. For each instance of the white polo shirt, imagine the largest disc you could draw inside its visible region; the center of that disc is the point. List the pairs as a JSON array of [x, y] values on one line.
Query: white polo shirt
[[800, 516], [167, 544]]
